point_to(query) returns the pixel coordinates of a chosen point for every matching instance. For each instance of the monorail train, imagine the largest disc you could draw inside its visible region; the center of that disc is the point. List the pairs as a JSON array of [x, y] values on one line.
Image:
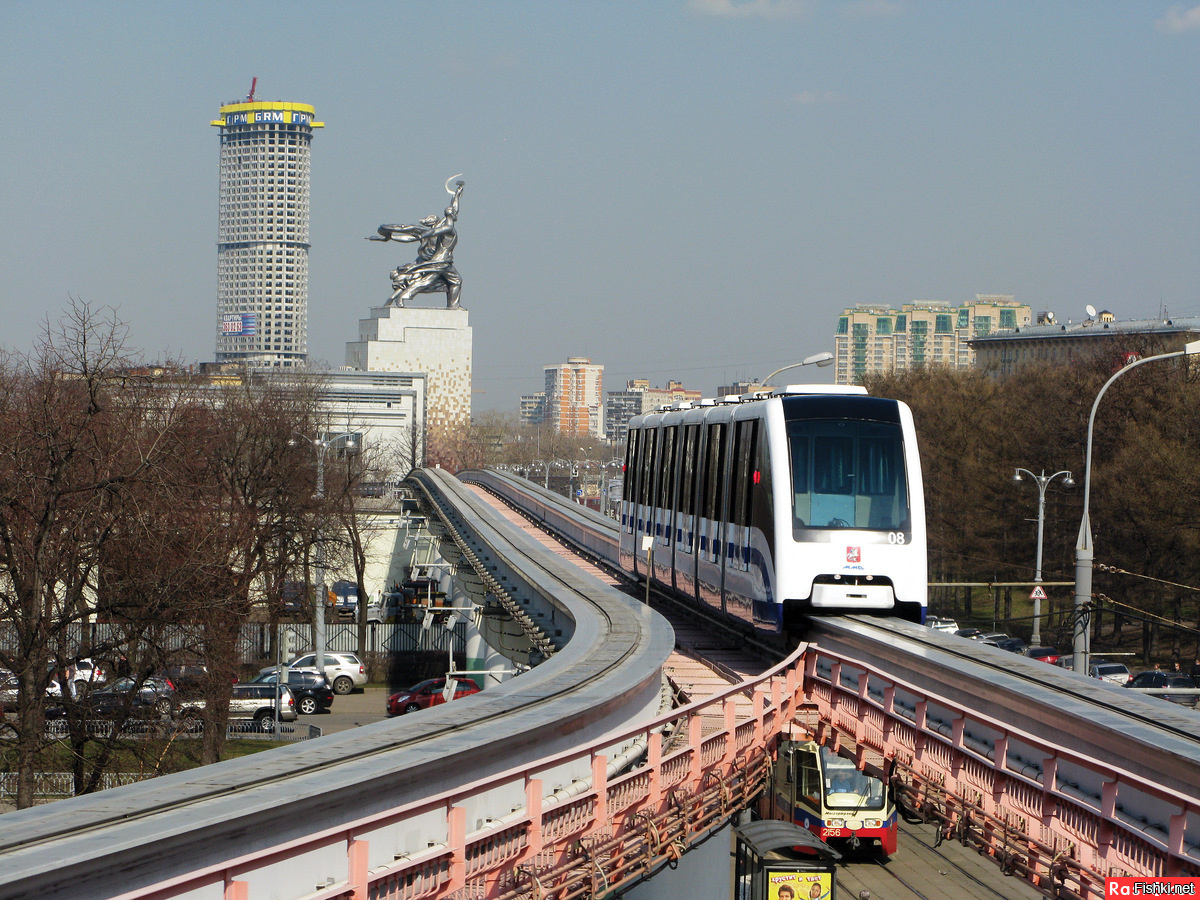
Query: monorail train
[[823, 792], [807, 500]]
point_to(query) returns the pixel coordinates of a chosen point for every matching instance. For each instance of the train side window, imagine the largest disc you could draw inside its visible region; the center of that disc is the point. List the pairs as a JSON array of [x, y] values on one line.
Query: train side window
[[762, 508], [666, 468], [712, 473], [687, 481], [649, 451], [630, 481], [740, 498], [738, 473], [673, 483], [633, 467]]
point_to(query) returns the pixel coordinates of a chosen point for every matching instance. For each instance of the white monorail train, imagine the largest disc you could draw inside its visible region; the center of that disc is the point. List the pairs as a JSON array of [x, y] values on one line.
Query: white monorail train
[[807, 500]]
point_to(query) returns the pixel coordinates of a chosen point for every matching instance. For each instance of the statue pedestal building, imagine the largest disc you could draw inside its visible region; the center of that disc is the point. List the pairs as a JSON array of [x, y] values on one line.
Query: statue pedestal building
[[412, 339]]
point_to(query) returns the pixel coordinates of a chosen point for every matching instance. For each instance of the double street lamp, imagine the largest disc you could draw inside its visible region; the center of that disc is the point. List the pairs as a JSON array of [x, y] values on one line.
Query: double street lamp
[[1041, 481], [348, 439], [1083, 547]]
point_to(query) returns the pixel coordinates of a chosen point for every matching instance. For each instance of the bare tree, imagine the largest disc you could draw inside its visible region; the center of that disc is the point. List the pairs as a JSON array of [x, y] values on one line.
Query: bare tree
[[74, 440]]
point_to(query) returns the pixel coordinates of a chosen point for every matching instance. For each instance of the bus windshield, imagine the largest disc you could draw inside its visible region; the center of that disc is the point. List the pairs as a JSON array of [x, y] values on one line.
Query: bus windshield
[[847, 474]]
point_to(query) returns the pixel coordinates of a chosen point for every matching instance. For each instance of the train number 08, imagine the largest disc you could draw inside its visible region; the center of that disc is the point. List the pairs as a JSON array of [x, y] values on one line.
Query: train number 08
[[895, 537]]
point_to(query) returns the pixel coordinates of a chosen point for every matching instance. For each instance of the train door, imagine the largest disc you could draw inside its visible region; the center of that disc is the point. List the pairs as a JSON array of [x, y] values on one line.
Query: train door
[[663, 504], [629, 492], [645, 516], [714, 483], [685, 510], [640, 473], [798, 792], [739, 584]]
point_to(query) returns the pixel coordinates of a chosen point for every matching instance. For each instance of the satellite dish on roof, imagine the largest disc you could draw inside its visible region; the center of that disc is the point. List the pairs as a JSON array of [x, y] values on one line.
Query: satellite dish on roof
[[1090, 310]]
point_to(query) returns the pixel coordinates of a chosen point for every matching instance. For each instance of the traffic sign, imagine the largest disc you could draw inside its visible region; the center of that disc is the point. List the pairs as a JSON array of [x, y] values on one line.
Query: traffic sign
[[1038, 593]]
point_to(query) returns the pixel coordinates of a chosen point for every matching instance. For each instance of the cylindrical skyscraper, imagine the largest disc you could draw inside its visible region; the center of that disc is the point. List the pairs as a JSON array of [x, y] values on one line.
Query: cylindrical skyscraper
[[262, 233]]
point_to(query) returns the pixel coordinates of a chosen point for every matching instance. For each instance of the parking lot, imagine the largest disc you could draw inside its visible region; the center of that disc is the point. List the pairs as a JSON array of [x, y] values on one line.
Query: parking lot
[[352, 710]]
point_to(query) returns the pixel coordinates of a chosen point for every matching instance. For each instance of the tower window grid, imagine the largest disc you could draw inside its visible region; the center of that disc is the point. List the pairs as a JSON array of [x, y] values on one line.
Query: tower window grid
[[263, 220]]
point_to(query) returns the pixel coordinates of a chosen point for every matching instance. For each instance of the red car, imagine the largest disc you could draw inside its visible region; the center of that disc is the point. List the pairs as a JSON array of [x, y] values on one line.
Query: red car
[[1045, 654], [426, 694]]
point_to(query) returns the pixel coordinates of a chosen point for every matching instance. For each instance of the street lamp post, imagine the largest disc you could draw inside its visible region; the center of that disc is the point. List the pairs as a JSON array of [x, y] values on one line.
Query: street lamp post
[[1083, 546], [822, 359], [350, 438], [1041, 481]]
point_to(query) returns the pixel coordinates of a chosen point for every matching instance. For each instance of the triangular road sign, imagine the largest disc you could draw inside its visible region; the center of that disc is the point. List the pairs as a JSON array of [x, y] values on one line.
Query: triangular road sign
[[1038, 594]]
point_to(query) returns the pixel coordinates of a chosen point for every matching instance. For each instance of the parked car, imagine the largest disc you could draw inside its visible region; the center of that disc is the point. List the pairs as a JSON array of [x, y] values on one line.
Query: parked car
[[1114, 672], [84, 671], [1011, 644], [938, 623], [248, 701], [1045, 654], [257, 703], [969, 633], [345, 671], [310, 688], [430, 692], [81, 676], [8, 690], [1156, 678], [154, 697]]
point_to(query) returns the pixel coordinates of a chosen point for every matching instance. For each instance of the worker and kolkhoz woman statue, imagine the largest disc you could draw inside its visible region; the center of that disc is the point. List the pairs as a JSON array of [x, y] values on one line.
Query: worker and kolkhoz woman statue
[[434, 269]]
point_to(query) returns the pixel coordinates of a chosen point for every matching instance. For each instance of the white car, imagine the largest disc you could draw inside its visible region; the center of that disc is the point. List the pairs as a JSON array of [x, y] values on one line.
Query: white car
[[82, 675], [941, 624], [345, 671], [1115, 672]]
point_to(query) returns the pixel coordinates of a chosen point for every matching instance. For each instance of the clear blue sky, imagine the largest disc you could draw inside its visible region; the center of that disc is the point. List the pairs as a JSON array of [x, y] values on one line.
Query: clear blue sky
[[688, 190]]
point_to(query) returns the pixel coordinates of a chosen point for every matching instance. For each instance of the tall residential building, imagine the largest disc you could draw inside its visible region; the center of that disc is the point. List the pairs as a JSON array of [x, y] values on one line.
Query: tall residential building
[[533, 408], [262, 233], [574, 404], [874, 339], [637, 398]]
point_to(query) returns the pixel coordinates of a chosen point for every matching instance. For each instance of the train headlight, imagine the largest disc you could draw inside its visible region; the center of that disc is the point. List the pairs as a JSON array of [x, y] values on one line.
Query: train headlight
[[835, 823], [872, 823]]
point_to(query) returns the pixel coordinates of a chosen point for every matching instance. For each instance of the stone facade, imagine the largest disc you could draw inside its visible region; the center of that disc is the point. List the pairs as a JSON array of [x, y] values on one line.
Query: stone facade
[[411, 339]]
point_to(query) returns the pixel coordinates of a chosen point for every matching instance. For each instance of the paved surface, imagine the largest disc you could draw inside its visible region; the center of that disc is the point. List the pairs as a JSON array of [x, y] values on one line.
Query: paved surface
[[351, 710]]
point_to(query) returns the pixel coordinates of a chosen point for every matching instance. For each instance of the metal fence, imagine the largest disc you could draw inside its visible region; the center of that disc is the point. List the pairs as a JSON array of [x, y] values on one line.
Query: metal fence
[[164, 729], [258, 641], [59, 785]]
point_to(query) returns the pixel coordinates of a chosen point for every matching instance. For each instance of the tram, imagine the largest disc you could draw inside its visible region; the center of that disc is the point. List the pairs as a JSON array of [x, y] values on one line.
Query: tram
[[772, 506], [825, 793]]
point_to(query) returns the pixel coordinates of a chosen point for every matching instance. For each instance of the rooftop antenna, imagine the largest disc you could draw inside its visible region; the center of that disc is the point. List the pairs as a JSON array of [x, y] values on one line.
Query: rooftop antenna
[[253, 84], [1090, 310]]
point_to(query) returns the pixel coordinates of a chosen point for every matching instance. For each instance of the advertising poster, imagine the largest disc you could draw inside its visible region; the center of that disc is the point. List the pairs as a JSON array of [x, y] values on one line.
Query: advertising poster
[[793, 885]]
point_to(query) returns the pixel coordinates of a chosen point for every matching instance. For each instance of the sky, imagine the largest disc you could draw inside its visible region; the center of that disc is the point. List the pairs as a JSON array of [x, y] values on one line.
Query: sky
[[682, 189]]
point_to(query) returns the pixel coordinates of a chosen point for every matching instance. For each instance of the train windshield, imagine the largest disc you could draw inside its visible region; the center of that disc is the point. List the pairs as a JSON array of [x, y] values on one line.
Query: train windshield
[[847, 474], [848, 788]]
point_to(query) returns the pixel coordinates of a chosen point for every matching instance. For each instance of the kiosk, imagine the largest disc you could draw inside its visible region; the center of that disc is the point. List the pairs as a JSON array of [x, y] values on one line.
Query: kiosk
[[777, 860]]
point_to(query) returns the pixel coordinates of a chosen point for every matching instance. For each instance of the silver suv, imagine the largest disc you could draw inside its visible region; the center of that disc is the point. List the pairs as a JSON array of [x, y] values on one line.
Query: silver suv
[[345, 671], [252, 701], [257, 702]]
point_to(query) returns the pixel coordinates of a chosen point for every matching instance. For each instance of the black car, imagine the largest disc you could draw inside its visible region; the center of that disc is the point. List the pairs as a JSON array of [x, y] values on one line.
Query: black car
[[154, 698], [1012, 645], [1170, 680], [311, 689]]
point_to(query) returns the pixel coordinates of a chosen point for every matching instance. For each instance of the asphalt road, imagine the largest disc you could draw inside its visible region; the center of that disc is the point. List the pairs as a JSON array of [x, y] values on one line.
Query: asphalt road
[[351, 710]]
